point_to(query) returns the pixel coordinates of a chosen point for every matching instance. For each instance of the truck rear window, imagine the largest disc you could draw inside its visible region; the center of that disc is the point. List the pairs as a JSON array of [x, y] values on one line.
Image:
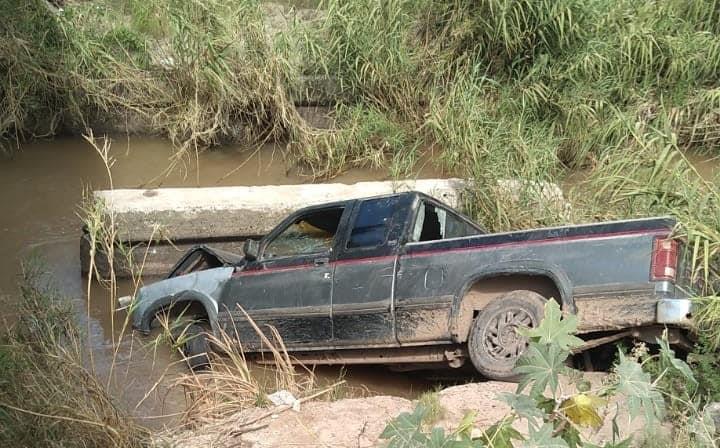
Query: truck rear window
[[372, 222], [436, 223]]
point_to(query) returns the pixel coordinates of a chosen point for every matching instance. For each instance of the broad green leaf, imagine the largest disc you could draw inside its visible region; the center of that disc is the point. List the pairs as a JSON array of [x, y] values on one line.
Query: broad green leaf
[[501, 435], [554, 329], [466, 424], [641, 395], [437, 438], [582, 409], [524, 406], [667, 357], [571, 436], [545, 404], [544, 438], [405, 430], [464, 442], [541, 365]]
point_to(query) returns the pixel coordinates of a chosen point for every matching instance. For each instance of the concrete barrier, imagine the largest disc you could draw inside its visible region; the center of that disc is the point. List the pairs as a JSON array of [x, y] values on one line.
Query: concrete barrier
[[182, 214], [171, 220]]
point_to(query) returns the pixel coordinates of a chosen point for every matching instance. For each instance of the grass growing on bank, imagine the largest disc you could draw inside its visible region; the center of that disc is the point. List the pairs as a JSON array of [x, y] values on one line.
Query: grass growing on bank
[[199, 72], [48, 396]]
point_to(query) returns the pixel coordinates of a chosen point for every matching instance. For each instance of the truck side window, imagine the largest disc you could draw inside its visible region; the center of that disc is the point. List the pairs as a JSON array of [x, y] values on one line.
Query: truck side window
[[311, 233], [372, 223], [436, 223]]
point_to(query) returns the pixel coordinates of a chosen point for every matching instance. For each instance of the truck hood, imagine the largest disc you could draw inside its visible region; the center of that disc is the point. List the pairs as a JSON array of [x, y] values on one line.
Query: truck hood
[[204, 257]]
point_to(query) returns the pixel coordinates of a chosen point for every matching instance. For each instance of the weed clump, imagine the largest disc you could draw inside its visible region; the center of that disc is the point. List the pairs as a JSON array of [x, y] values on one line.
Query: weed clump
[[47, 395], [201, 73]]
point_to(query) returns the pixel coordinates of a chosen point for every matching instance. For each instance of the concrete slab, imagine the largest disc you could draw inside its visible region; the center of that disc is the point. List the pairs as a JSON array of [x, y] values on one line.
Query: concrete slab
[[182, 214]]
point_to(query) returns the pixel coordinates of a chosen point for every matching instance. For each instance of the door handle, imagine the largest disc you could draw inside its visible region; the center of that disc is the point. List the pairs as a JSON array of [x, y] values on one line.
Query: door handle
[[321, 261]]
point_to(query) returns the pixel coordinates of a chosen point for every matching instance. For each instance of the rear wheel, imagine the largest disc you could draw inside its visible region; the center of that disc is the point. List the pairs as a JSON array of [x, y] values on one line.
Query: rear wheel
[[196, 347], [494, 344]]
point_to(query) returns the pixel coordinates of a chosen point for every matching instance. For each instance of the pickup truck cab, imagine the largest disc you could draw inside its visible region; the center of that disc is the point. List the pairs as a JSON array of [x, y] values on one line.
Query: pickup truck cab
[[403, 279]]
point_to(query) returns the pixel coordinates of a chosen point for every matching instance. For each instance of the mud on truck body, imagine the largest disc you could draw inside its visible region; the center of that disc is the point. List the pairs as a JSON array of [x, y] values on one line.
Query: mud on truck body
[[403, 279]]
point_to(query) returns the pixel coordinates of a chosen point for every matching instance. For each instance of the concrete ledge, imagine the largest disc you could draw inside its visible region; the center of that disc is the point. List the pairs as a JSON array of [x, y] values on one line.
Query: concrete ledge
[[172, 220], [197, 214]]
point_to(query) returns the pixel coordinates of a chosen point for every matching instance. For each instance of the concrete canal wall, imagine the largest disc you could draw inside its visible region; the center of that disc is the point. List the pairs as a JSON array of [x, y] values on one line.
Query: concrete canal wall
[[171, 220]]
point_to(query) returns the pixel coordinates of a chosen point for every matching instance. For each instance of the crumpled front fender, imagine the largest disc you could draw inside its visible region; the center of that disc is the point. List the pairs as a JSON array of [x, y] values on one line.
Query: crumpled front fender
[[203, 287]]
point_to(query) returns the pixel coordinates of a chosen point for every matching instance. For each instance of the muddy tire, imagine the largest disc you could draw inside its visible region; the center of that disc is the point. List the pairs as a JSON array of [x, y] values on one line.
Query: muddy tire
[[494, 345], [196, 347]]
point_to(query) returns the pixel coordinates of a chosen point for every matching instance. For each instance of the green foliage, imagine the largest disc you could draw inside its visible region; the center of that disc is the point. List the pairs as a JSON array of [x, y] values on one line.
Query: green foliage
[[706, 367], [544, 360], [541, 367], [381, 72], [556, 412], [406, 431], [501, 435], [544, 438], [201, 73], [554, 329], [369, 137], [641, 395]]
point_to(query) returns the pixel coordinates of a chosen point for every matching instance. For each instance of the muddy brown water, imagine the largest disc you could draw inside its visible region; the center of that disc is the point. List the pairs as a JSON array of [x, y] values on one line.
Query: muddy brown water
[[41, 189]]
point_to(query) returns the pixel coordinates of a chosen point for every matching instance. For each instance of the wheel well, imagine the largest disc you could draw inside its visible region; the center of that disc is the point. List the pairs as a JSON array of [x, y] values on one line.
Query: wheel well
[[484, 290], [182, 308]]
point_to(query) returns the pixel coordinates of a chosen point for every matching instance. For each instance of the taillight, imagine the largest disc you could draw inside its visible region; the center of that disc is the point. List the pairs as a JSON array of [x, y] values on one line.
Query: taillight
[[664, 259]]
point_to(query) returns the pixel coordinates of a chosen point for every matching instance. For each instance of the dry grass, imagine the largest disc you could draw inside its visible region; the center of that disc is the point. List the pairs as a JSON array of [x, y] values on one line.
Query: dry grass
[[235, 381], [49, 397]]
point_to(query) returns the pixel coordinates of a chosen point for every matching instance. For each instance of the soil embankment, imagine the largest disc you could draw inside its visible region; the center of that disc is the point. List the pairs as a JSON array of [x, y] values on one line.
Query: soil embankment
[[358, 422]]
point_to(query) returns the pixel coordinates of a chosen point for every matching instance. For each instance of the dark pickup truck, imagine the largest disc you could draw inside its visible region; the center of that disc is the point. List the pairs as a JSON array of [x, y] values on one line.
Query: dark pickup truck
[[403, 279]]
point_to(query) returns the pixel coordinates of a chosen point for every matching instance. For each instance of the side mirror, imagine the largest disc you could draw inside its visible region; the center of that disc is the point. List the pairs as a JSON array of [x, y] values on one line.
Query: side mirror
[[251, 249]]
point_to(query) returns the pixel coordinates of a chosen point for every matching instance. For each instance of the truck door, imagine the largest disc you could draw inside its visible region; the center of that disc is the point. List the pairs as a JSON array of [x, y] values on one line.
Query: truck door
[[290, 285], [364, 278], [427, 273]]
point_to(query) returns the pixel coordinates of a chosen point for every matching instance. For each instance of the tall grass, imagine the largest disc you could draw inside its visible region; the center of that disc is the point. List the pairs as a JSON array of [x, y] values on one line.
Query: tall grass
[[48, 396], [199, 72]]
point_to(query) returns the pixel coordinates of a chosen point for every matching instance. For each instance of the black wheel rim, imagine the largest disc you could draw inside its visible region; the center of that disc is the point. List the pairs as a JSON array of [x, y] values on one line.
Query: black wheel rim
[[502, 340]]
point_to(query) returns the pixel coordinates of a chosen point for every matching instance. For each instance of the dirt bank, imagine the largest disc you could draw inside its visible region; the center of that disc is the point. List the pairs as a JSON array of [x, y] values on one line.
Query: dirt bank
[[358, 422]]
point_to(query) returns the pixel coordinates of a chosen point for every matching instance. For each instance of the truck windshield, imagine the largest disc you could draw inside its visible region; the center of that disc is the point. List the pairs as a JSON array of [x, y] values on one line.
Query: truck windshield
[[436, 223], [311, 233]]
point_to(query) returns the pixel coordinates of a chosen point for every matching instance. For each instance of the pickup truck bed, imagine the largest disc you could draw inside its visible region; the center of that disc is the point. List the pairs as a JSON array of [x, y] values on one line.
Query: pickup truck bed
[[402, 277]]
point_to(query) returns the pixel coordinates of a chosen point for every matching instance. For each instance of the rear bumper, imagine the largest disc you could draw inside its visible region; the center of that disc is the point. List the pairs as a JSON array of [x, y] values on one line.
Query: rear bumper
[[619, 312], [674, 311]]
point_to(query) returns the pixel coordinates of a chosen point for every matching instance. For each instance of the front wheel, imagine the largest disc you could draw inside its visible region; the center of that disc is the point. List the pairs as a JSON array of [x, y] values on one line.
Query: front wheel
[[196, 347], [494, 344]]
